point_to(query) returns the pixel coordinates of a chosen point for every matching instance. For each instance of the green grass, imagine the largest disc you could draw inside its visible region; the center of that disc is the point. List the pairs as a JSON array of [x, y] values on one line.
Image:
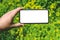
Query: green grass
[[50, 31]]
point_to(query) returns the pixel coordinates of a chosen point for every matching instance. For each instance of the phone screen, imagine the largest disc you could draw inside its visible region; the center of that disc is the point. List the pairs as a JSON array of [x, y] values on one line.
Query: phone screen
[[33, 16]]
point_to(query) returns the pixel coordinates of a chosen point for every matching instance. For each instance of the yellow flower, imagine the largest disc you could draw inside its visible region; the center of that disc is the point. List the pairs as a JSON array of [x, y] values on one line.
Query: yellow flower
[[17, 32], [51, 39], [17, 38], [59, 22], [27, 5], [12, 32], [53, 5], [57, 14], [35, 38], [38, 7], [18, 0], [33, 7], [9, 3], [17, 18], [18, 5], [22, 35], [33, 1], [50, 14], [56, 30], [21, 29]]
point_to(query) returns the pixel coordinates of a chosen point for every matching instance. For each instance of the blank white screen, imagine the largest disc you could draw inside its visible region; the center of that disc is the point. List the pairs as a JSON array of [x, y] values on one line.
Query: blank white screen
[[34, 16]]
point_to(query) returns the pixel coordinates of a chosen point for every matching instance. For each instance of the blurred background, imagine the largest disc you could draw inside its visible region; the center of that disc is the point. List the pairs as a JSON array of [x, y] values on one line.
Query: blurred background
[[50, 31]]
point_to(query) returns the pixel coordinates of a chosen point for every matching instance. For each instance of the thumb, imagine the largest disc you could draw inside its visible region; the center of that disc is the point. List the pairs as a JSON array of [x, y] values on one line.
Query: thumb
[[17, 24]]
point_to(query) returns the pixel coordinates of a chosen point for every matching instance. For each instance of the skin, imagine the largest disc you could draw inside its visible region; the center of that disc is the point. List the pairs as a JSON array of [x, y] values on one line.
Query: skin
[[6, 19]]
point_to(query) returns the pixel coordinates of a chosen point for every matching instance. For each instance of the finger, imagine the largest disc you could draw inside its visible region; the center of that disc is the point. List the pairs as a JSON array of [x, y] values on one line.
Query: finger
[[13, 12], [17, 24]]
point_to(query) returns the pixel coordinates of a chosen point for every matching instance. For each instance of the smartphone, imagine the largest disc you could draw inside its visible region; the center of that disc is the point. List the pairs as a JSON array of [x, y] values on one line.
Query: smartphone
[[33, 16]]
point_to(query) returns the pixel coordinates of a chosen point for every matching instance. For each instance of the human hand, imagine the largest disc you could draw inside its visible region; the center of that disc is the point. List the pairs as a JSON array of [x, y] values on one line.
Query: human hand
[[6, 19]]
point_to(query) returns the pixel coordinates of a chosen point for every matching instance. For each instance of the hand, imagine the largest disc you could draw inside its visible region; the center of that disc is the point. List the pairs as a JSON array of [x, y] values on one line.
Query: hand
[[6, 19]]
